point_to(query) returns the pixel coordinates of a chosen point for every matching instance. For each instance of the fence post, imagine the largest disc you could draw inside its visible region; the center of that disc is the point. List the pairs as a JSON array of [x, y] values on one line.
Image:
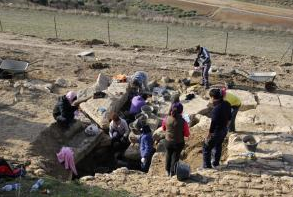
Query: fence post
[[227, 37], [167, 39], [55, 27], [1, 26], [109, 41], [292, 54]]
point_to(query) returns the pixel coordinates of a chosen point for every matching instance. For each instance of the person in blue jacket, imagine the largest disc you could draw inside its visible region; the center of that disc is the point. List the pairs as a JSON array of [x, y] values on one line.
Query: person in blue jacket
[[146, 147]]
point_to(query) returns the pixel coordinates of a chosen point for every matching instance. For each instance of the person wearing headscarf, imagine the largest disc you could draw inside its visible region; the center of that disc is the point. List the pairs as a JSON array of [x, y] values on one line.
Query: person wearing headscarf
[[176, 128], [64, 109]]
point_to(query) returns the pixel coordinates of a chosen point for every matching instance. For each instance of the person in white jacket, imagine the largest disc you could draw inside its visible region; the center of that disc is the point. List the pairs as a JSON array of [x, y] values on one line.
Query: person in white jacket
[[203, 62]]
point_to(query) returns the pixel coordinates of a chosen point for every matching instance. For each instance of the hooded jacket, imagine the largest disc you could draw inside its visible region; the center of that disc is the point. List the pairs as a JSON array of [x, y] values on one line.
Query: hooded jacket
[[63, 110]]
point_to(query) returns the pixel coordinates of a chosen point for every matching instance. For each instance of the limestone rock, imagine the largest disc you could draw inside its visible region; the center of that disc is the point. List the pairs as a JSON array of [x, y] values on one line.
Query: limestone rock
[[165, 79], [61, 82], [195, 106], [132, 152], [102, 82], [100, 109], [87, 178], [38, 85], [194, 73], [40, 172], [286, 101], [246, 117], [268, 99], [122, 170], [204, 122], [158, 134], [158, 163], [247, 99], [274, 116]]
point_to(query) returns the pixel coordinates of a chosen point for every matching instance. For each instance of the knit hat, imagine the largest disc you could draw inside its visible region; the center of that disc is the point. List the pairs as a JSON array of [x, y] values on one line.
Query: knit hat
[[71, 96]]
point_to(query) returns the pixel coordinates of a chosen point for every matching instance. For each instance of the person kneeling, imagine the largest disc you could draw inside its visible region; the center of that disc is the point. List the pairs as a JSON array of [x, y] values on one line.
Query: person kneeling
[[118, 132]]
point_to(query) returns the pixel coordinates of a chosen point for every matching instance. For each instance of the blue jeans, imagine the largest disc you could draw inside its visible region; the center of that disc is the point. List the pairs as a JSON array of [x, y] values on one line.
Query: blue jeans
[[234, 111], [213, 145], [205, 74]]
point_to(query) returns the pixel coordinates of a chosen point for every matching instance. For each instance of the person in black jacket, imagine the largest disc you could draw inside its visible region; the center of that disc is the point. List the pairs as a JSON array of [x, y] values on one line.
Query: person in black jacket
[[221, 115], [203, 62], [64, 110]]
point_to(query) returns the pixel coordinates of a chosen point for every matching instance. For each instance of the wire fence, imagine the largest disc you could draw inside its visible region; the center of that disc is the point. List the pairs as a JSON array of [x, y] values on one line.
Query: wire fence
[[129, 32]]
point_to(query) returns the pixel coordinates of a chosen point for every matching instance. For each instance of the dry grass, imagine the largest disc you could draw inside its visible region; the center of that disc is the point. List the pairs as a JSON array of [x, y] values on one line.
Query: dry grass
[[130, 32]]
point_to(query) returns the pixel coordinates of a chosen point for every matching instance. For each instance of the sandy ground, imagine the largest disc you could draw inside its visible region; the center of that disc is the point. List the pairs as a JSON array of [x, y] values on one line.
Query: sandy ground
[[24, 114]]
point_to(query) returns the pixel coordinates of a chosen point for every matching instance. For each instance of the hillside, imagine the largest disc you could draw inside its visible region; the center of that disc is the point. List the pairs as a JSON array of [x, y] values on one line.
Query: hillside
[[274, 3]]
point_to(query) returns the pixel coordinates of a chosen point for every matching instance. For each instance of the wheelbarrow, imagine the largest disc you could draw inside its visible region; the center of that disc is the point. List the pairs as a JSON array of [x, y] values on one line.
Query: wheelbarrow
[[263, 77], [10, 68]]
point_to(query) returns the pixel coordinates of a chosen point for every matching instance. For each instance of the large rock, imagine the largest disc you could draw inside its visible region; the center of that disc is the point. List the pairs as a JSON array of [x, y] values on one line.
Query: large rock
[[204, 122], [158, 134], [38, 85], [158, 163], [247, 99], [102, 84], [246, 117], [286, 101], [99, 110], [132, 152], [273, 151], [274, 115], [268, 99], [195, 106]]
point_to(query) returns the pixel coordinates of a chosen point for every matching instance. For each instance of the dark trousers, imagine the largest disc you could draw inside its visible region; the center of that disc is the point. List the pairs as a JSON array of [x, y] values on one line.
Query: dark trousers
[[213, 145], [172, 155], [145, 166], [234, 111], [205, 74]]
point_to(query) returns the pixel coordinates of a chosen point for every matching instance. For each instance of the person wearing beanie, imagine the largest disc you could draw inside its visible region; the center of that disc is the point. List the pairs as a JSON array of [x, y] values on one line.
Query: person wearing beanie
[[64, 109], [221, 115], [176, 129], [235, 103]]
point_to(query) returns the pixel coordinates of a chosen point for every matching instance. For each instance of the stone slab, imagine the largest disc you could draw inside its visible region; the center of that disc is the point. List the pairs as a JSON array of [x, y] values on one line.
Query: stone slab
[[268, 99], [99, 110], [274, 116], [247, 99], [273, 152], [196, 106], [286, 101]]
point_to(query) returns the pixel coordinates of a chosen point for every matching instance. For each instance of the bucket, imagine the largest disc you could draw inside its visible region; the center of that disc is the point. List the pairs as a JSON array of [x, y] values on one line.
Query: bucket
[[250, 142], [146, 109], [182, 171]]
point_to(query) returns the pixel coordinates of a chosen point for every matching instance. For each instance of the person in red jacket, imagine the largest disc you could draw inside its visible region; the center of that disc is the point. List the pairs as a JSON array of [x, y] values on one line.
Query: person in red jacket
[[176, 129]]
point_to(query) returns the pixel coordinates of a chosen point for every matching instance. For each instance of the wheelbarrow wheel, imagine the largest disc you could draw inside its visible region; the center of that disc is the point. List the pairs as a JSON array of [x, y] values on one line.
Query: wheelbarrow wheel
[[270, 86]]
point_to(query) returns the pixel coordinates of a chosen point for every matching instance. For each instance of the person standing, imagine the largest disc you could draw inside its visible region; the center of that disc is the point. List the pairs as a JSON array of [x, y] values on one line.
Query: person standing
[[203, 61], [146, 147], [235, 103], [221, 115], [176, 129]]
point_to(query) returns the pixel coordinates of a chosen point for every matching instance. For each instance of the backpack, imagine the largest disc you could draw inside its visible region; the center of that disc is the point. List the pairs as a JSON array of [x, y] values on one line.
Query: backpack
[[7, 170]]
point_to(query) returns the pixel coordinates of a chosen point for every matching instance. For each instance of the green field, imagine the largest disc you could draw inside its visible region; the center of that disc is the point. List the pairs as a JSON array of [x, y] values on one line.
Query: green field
[[134, 32]]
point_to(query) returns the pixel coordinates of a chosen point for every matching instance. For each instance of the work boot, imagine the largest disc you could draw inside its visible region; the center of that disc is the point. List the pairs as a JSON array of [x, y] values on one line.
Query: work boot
[[207, 87]]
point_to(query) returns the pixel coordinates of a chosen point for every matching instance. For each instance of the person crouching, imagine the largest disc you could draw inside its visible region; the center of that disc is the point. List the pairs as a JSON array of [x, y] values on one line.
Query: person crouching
[[64, 109]]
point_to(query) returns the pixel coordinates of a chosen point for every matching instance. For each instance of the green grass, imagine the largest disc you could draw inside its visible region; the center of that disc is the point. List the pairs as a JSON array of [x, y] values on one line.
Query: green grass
[[135, 32], [60, 189]]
